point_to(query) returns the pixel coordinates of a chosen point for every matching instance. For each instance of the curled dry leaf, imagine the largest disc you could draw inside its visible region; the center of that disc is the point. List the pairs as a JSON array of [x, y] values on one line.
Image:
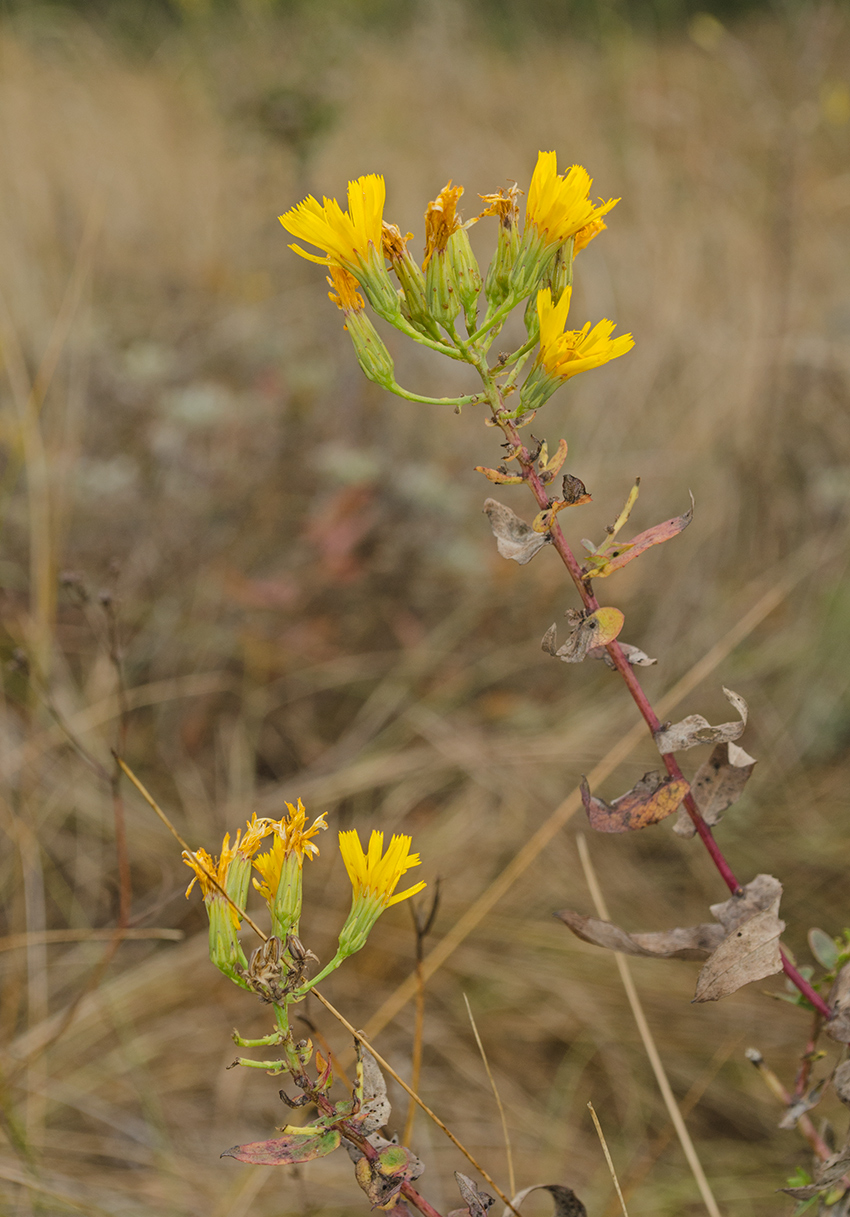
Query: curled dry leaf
[[718, 783], [600, 566], [838, 1027], [841, 1082], [636, 657], [574, 490], [500, 476], [693, 942], [375, 1109], [381, 1178], [567, 1203], [587, 630], [693, 730], [651, 799], [750, 950], [477, 1202], [736, 954], [800, 1106], [514, 538], [828, 1174], [282, 1151]]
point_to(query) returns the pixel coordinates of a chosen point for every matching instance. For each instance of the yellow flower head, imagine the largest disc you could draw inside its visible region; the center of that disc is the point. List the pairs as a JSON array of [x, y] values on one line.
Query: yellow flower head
[[345, 236], [374, 875], [504, 205], [558, 206], [207, 868], [345, 294], [565, 353], [441, 220]]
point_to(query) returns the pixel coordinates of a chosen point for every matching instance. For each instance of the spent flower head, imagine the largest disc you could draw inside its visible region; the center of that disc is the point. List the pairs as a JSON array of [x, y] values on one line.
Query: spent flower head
[[374, 877]]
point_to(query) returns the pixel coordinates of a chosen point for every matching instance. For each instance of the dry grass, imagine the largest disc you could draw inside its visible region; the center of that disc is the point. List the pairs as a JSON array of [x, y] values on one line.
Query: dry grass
[[309, 602]]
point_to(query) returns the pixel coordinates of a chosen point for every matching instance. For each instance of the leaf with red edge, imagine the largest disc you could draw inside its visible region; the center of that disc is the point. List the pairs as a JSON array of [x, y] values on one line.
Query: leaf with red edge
[[651, 799], [282, 1151], [602, 565]]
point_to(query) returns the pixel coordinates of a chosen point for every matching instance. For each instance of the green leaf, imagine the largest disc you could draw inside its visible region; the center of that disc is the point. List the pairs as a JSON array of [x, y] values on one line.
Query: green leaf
[[824, 949]]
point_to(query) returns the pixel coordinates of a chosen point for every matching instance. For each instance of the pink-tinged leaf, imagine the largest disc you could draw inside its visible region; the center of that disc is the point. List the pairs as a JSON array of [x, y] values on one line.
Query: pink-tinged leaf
[[619, 555], [651, 799], [283, 1151]]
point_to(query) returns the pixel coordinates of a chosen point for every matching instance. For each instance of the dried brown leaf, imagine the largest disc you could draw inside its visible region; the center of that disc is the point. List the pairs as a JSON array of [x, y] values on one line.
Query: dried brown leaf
[[477, 1201], [718, 783], [636, 657], [692, 942], [838, 1027], [750, 950], [651, 799], [693, 730], [828, 1174], [567, 1203], [514, 538], [586, 630], [841, 1082], [800, 1106]]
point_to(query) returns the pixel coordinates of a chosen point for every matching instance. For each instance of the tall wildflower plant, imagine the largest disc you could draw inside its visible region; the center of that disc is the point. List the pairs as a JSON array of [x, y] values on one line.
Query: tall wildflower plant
[[447, 304]]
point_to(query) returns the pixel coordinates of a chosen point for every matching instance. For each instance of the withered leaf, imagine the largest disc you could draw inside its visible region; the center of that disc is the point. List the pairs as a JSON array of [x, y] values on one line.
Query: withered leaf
[[651, 799], [718, 783], [375, 1109], [693, 942], [603, 565], [567, 1203], [574, 490], [800, 1106], [280, 1151], [499, 476], [586, 630], [758, 900], [841, 1082], [514, 538], [382, 1178], [750, 950], [838, 1027], [477, 1202], [693, 730], [636, 657], [827, 1175]]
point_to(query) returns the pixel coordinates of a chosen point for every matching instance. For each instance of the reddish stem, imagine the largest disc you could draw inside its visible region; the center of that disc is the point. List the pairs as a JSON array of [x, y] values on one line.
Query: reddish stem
[[531, 476]]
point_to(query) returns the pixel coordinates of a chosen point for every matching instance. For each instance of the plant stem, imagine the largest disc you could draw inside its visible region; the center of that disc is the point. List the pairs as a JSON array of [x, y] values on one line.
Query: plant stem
[[642, 702]]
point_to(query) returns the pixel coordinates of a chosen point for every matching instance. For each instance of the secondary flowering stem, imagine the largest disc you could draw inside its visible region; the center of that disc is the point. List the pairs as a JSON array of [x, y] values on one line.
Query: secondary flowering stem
[[559, 541]]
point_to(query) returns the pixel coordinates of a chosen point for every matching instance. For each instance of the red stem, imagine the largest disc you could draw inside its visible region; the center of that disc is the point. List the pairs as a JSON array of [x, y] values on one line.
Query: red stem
[[642, 702]]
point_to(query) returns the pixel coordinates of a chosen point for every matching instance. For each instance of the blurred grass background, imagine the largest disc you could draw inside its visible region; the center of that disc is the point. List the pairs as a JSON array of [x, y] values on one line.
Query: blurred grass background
[[307, 600]]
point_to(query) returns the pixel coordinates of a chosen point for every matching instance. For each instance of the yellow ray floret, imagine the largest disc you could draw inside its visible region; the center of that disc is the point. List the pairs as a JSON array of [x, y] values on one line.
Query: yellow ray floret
[[558, 206], [345, 236], [565, 353], [344, 294], [375, 875]]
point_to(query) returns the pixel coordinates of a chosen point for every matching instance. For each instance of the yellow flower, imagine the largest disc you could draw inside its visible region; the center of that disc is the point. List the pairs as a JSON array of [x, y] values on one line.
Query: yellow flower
[[351, 239], [441, 220], [376, 874], [280, 868], [207, 869], [585, 235], [345, 236], [558, 206], [564, 354], [345, 294], [374, 877]]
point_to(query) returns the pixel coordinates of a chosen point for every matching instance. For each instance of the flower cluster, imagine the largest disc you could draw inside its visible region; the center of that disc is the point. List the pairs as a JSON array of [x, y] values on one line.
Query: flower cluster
[[225, 883], [533, 262]]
